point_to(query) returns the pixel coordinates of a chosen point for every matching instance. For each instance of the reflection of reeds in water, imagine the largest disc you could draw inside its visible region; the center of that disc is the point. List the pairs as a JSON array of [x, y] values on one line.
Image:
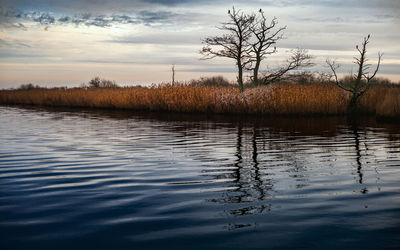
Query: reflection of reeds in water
[[284, 99]]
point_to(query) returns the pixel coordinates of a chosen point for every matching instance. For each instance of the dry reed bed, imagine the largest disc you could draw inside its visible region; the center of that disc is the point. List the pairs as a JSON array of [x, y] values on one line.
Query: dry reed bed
[[282, 99]]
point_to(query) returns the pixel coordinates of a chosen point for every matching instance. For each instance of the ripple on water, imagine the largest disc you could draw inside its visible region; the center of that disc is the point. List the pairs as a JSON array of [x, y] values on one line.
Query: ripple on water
[[124, 180]]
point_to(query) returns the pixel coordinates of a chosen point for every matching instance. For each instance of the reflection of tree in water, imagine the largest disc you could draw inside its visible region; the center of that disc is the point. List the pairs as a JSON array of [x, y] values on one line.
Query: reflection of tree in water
[[257, 174], [247, 178], [288, 154], [250, 175], [357, 148], [253, 170], [257, 140], [247, 174], [260, 153]]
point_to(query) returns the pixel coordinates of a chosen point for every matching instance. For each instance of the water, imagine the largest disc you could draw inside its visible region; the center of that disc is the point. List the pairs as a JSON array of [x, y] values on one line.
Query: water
[[119, 180]]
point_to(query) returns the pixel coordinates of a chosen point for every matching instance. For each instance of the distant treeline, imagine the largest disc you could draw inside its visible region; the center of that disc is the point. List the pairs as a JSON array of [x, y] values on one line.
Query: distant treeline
[[304, 77], [303, 94]]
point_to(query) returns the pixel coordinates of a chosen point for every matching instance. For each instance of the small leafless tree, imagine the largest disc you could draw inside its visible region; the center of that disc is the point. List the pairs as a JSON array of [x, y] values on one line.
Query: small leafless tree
[[265, 36], [234, 44], [173, 74], [360, 82], [299, 59]]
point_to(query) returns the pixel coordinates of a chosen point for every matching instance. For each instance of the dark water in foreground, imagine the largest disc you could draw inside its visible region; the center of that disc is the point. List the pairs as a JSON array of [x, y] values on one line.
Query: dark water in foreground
[[112, 180]]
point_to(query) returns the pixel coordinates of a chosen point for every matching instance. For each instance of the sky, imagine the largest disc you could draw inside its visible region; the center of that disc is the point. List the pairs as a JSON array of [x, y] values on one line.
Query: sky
[[68, 42]]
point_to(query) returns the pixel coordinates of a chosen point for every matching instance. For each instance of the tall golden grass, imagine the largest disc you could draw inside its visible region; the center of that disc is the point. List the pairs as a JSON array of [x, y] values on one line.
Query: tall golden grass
[[382, 100], [276, 99]]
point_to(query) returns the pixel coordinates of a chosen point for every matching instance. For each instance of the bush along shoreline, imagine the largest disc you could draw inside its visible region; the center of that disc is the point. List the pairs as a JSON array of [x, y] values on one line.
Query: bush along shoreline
[[313, 99]]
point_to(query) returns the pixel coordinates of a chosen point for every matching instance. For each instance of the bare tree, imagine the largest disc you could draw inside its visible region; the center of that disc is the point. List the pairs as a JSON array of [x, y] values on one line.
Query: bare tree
[[265, 37], [360, 82], [299, 59], [173, 74], [234, 44]]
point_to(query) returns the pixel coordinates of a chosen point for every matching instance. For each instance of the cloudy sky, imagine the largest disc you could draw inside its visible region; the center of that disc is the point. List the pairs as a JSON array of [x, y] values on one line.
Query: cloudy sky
[[67, 42]]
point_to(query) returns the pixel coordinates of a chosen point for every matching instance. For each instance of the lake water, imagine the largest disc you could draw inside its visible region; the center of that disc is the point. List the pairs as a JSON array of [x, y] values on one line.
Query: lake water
[[119, 180]]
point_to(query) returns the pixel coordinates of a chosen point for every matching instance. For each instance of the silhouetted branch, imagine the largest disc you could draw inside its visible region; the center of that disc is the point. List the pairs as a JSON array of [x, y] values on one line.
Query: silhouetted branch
[[334, 66], [265, 37], [299, 59], [233, 45], [361, 81]]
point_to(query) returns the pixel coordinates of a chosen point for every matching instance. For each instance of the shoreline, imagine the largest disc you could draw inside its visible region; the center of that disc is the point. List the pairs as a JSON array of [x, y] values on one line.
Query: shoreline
[[279, 100], [234, 117]]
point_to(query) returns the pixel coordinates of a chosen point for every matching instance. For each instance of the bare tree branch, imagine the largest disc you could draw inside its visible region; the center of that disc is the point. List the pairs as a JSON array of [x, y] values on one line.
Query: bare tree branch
[[334, 66], [361, 81], [299, 59], [265, 37], [234, 44]]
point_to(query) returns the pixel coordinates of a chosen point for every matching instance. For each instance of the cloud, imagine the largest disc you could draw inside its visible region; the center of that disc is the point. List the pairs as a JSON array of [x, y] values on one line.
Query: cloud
[[377, 18], [172, 2], [88, 20], [42, 18], [100, 6], [124, 19], [129, 5], [64, 19], [165, 38], [8, 18], [347, 68], [14, 18], [13, 44], [155, 16], [143, 17], [214, 69]]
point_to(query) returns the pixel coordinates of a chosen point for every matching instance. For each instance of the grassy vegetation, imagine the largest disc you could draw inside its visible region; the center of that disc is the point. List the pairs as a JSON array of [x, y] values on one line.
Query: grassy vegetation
[[274, 99]]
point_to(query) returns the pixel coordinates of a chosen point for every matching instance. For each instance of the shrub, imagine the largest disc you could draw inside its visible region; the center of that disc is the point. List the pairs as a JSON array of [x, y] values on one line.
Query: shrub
[[96, 82], [28, 86], [211, 81]]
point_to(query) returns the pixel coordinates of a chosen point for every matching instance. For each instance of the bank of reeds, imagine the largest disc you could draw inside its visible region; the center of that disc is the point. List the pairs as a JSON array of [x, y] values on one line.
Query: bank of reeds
[[275, 99], [382, 100]]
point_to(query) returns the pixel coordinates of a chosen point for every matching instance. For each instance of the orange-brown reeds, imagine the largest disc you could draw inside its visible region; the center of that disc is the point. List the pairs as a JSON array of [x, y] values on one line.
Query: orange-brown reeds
[[382, 100], [279, 99]]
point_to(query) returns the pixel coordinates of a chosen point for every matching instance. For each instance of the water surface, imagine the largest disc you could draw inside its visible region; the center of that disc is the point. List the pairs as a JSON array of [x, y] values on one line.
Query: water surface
[[120, 180]]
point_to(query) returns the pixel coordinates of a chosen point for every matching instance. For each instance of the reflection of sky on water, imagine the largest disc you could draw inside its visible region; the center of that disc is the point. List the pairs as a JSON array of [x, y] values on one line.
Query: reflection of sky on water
[[164, 178]]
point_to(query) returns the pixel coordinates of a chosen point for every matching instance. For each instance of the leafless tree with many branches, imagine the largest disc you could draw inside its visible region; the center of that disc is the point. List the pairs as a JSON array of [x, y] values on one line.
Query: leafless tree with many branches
[[361, 81], [234, 44], [249, 40], [265, 37]]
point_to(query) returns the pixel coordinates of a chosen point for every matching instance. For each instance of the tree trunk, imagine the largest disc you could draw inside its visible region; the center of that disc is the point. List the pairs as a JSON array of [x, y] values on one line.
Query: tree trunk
[[255, 71], [240, 77], [173, 74], [353, 103]]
